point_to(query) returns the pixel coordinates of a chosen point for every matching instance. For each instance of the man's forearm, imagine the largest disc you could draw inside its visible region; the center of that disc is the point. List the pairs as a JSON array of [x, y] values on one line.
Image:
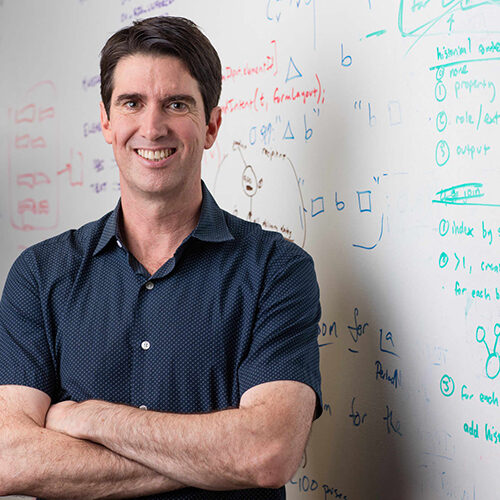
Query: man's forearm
[[40, 462], [209, 461], [259, 444]]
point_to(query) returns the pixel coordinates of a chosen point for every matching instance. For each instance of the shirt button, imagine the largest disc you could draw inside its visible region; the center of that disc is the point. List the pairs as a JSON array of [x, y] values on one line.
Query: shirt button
[[143, 407], [145, 345], [119, 243], [150, 285]]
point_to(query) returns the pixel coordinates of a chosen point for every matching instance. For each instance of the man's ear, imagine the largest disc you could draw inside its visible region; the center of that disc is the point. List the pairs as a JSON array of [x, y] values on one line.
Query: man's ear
[[105, 124], [213, 127]]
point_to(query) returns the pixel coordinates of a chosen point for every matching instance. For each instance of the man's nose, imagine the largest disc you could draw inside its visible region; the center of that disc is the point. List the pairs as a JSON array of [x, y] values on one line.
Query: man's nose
[[154, 124]]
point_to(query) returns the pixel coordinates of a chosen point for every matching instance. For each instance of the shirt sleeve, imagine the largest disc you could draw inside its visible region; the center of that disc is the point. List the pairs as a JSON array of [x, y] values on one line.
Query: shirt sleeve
[[25, 355], [285, 338]]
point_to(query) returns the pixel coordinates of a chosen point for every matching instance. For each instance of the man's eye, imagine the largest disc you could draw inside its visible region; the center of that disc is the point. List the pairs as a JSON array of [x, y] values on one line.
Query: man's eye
[[178, 106], [131, 104]]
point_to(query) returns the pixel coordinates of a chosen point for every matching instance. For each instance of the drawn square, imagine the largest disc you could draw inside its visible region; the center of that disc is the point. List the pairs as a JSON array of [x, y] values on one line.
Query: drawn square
[[317, 206], [365, 201], [394, 108]]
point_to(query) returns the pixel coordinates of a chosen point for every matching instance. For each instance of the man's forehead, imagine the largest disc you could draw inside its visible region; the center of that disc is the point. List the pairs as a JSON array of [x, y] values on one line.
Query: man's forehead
[[147, 70], [154, 61]]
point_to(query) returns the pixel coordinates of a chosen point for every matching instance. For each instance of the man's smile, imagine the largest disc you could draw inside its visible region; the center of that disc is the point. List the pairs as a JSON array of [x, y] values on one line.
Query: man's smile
[[155, 154]]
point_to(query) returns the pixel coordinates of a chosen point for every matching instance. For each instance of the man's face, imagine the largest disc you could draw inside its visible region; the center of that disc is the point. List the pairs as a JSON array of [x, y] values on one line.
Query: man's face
[[157, 126]]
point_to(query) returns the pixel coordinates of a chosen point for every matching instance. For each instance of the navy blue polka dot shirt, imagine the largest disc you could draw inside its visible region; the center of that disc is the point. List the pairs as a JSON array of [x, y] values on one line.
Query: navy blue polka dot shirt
[[236, 306]]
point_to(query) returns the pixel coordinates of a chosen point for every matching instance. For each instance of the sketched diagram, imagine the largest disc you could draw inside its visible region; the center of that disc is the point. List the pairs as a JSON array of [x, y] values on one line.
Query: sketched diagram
[[262, 186], [492, 366], [425, 18], [33, 157], [34, 160]]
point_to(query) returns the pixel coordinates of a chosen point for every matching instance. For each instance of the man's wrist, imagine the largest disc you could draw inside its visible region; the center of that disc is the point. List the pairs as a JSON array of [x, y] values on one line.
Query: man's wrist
[[88, 418], [91, 419], [78, 420]]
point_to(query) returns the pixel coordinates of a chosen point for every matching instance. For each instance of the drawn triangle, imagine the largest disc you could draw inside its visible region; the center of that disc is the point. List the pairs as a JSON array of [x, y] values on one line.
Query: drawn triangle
[[293, 71], [288, 132]]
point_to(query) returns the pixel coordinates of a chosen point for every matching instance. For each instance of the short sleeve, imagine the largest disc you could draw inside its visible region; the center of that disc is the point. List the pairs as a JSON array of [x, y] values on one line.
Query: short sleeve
[[285, 338], [25, 354]]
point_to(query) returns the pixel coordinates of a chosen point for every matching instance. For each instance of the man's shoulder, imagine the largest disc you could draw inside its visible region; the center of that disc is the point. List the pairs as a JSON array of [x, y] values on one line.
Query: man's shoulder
[[66, 246], [252, 237]]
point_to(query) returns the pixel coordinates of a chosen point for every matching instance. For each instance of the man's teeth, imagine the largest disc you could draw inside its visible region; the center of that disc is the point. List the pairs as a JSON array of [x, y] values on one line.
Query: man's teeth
[[155, 155]]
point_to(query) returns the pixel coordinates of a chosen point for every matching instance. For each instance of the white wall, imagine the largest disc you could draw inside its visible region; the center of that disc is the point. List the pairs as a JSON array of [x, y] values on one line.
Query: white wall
[[353, 167]]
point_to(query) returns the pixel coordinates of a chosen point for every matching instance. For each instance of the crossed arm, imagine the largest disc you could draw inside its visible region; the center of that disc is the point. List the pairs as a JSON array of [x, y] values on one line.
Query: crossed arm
[[96, 449], [38, 461]]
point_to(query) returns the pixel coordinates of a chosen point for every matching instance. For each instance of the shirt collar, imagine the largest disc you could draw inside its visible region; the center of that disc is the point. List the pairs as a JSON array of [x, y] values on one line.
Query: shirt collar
[[212, 225], [110, 230]]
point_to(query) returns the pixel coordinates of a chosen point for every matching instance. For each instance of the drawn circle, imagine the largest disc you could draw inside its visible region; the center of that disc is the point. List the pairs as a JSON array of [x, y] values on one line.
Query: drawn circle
[[447, 386], [440, 91], [444, 227], [483, 331], [441, 121], [439, 73], [442, 153], [493, 368], [249, 181], [443, 260]]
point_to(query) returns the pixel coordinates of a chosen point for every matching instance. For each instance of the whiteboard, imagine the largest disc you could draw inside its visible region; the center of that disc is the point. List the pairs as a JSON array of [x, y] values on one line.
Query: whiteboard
[[364, 130]]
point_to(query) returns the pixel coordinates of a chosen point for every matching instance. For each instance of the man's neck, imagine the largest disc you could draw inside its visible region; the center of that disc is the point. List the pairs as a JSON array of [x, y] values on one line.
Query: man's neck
[[153, 228]]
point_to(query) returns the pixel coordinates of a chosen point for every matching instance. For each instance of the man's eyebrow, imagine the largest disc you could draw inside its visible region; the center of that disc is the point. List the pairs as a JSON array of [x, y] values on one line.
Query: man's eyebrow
[[128, 97]]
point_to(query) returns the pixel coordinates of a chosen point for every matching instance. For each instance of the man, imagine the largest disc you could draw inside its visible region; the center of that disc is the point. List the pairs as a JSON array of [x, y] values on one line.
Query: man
[[168, 349]]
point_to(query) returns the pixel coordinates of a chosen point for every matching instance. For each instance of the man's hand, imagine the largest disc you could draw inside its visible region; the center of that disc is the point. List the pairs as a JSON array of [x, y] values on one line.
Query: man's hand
[[63, 417]]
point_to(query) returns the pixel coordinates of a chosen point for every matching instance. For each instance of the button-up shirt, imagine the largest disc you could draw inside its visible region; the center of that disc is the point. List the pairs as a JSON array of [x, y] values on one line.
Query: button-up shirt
[[235, 307]]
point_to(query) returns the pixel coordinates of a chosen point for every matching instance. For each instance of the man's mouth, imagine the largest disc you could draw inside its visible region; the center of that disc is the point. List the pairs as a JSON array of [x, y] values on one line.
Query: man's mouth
[[155, 154]]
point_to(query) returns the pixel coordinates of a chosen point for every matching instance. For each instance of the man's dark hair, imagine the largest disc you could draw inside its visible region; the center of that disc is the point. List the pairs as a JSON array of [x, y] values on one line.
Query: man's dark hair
[[165, 35]]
